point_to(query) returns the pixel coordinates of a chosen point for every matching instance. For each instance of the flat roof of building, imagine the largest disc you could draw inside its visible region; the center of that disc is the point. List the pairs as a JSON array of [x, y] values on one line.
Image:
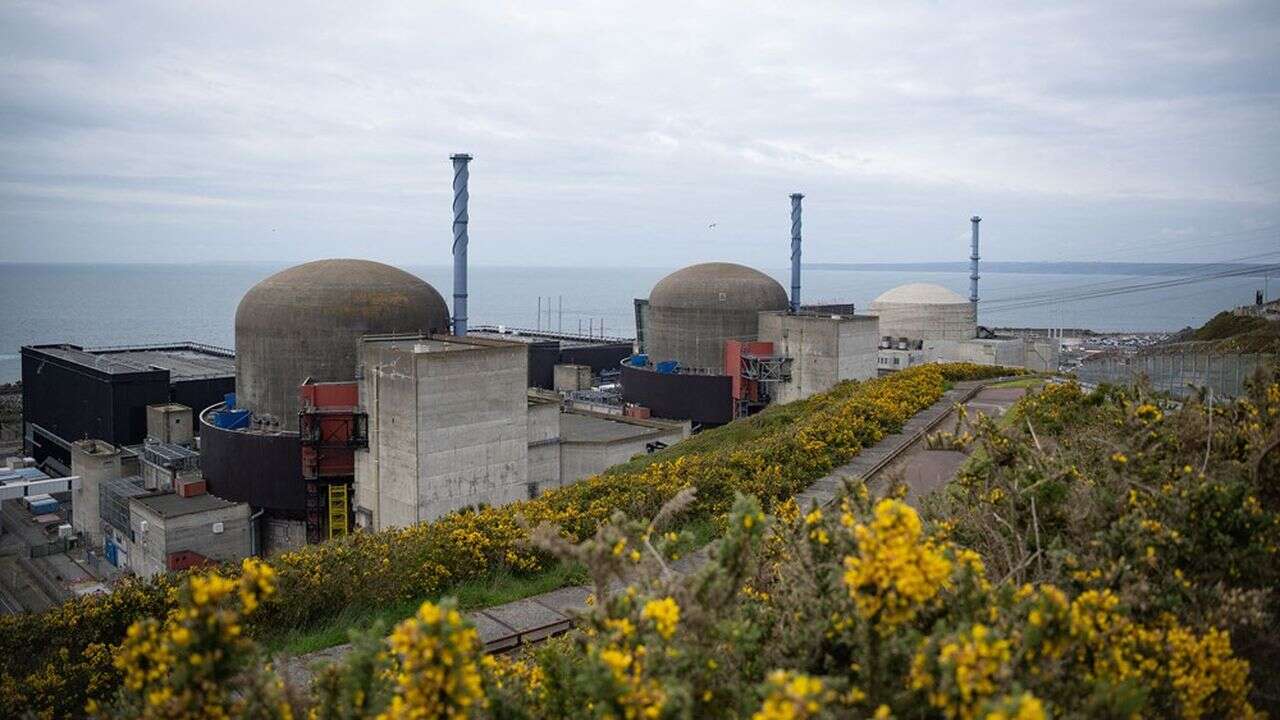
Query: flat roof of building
[[599, 428], [183, 360], [424, 344], [169, 504], [524, 335]]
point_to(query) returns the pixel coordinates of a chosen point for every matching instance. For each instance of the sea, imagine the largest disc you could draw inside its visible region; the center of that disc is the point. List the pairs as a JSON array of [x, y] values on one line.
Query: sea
[[124, 304]]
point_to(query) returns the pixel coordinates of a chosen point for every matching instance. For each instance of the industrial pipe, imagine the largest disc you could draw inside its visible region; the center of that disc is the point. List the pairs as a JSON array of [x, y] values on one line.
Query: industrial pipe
[[460, 198], [795, 251], [973, 265]]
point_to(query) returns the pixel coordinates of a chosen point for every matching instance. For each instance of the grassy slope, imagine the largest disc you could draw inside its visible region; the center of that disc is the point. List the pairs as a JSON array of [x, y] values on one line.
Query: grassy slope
[[506, 587], [497, 589]]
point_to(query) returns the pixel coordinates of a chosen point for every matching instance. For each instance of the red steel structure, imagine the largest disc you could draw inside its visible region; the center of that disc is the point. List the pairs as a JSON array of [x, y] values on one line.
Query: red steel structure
[[330, 428]]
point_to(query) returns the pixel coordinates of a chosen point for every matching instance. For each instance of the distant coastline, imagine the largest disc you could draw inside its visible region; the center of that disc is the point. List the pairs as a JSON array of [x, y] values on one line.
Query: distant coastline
[[1065, 268]]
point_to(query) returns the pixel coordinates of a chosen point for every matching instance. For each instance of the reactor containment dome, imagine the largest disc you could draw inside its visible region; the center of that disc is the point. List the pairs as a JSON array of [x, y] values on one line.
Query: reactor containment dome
[[693, 311], [925, 311], [304, 322]]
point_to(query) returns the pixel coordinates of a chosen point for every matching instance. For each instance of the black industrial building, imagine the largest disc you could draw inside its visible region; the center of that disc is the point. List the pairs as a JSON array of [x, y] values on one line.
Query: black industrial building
[[71, 393], [548, 349]]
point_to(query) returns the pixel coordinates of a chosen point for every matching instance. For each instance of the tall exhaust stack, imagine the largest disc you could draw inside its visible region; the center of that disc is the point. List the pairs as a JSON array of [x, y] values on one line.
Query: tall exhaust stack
[[973, 265], [795, 251], [460, 198]]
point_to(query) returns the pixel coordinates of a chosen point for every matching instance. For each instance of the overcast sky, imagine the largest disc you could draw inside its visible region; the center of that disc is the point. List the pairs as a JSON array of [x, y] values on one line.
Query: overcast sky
[[616, 133]]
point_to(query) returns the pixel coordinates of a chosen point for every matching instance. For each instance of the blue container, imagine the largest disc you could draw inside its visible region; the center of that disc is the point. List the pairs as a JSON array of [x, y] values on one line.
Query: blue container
[[639, 360], [231, 419], [667, 367], [230, 400], [44, 507], [109, 551]]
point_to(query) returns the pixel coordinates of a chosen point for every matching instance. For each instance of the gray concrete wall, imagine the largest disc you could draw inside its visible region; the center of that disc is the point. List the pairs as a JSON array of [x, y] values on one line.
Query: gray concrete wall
[[386, 474], [694, 336], [824, 350], [281, 535], [149, 552], [582, 459], [94, 461], [544, 444], [170, 422], [859, 340], [954, 321], [473, 439], [567, 377]]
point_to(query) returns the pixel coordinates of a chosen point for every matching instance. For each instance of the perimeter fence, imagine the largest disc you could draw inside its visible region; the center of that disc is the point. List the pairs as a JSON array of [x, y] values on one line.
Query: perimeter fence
[[1178, 373]]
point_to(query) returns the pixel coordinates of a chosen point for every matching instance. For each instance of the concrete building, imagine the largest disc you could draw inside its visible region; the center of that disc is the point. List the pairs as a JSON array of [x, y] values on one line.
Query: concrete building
[[164, 466], [171, 532], [590, 443], [544, 442], [923, 310], [694, 310], [448, 426], [1035, 354], [569, 378], [923, 323], [548, 348], [825, 348], [95, 462], [170, 423], [70, 393]]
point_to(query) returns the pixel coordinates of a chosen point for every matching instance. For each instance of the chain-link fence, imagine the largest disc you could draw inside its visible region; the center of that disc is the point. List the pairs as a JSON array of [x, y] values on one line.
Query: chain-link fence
[[1177, 373]]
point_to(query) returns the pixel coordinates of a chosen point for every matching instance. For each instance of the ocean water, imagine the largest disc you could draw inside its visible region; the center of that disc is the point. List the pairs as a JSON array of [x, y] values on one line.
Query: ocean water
[[96, 305]]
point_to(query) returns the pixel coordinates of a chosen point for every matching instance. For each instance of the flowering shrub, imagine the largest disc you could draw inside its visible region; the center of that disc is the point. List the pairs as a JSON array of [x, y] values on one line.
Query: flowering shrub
[[859, 610], [436, 666], [189, 665], [723, 642], [57, 660]]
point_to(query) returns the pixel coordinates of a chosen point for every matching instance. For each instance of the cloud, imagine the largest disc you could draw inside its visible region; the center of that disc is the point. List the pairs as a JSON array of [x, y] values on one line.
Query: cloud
[[609, 133]]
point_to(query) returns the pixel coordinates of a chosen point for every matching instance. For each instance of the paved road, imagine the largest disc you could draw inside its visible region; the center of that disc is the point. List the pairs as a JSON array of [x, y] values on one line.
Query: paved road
[[924, 470]]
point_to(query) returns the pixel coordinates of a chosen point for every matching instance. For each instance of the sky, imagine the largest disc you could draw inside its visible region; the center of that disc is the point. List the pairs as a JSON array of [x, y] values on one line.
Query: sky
[[639, 133]]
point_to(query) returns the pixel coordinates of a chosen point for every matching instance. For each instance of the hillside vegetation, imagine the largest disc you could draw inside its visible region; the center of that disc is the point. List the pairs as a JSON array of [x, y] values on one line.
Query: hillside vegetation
[[56, 661], [1104, 556], [1228, 332]]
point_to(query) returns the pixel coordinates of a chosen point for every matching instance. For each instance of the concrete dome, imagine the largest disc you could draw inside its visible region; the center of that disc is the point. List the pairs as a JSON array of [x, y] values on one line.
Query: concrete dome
[[693, 311], [924, 311], [304, 322], [920, 294]]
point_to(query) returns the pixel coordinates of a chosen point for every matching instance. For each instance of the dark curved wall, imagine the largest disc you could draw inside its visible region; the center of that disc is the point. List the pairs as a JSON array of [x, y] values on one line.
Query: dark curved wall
[[704, 399], [262, 470]]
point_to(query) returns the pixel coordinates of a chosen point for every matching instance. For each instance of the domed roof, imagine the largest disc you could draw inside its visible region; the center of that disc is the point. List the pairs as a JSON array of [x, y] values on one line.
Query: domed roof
[[368, 295], [920, 294], [719, 285], [306, 321]]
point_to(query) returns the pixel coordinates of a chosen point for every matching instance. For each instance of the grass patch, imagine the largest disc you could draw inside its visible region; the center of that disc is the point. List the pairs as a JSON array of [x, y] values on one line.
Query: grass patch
[[497, 589]]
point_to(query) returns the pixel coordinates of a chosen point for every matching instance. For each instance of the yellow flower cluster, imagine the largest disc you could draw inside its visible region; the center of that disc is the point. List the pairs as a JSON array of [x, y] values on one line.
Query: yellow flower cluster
[[637, 697], [437, 666], [791, 696], [664, 613], [1023, 707], [896, 570], [971, 666], [182, 667]]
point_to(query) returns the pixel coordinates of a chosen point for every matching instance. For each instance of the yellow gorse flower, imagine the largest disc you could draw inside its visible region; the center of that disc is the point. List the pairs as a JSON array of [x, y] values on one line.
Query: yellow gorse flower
[[664, 613], [436, 666], [896, 570]]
